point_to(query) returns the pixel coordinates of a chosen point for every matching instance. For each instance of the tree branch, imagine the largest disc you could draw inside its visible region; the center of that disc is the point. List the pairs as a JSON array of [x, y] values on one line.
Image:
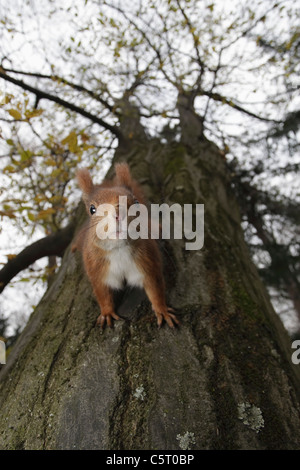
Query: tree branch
[[72, 107], [195, 40], [54, 244], [59, 79], [222, 99]]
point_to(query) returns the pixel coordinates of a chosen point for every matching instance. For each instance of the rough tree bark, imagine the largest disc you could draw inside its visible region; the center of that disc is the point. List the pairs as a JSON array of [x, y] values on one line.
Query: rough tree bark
[[222, 380]]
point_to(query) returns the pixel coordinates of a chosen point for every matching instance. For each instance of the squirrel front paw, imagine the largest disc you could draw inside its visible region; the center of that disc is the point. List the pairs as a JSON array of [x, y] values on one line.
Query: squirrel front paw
[[107, 319], [165, 315]]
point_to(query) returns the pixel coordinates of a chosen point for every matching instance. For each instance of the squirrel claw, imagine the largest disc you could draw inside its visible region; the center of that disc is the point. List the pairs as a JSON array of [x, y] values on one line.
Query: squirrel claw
[[104, 319], [169, 318]]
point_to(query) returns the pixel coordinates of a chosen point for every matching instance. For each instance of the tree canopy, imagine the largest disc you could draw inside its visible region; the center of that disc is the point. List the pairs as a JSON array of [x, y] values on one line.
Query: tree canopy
[[71, 72]]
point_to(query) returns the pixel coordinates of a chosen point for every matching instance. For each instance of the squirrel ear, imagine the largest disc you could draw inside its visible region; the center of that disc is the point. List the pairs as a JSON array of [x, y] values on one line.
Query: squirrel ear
[[123, 176], [85, 181]]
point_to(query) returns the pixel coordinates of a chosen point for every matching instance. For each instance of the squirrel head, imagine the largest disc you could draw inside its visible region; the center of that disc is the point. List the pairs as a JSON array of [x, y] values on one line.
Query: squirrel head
[[107, 192], [112, 198]]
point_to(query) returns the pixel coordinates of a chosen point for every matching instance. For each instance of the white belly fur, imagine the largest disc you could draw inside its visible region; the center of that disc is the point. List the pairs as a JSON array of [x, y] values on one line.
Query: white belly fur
[[122, 268]]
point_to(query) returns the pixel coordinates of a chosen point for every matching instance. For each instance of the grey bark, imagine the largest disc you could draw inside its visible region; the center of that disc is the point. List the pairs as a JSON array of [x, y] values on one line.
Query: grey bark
[[222, 380]]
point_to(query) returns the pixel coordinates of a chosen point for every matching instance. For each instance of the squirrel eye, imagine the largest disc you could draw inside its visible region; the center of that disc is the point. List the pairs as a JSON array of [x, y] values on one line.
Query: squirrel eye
[[136, 201], [92, 209]]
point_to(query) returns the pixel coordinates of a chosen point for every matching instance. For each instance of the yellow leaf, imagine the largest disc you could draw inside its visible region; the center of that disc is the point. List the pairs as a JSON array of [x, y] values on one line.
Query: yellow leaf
[[8, 98], [25, 155], [87, 147], [44, 215], [55, 173], [33, 113], [9, 169], [50, 162], [71, 141], [40, 198], [9, 257], [9, 214], [15, 114], [31, 216], [56, 199]]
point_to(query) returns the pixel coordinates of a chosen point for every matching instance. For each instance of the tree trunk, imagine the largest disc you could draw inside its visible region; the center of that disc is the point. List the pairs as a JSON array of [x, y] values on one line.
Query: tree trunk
[[222, 380]]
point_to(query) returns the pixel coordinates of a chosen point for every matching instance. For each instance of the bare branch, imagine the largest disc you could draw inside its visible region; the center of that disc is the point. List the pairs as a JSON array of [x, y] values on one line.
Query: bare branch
[[195, 39], [72, 107], [229, 102], [75, 86], [54, 244]]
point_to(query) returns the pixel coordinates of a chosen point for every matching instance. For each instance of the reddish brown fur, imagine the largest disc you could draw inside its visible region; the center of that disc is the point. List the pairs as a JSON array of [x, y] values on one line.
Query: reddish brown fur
[[144, 254]]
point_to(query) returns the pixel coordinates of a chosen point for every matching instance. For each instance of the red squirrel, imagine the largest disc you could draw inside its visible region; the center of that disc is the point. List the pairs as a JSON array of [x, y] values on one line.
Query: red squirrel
[[112, 261]]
